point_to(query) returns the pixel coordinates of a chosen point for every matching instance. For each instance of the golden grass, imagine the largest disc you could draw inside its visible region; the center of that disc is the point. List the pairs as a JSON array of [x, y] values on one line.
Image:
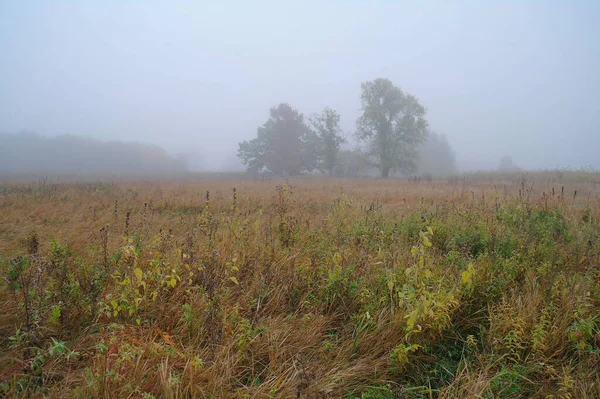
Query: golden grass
[[305, 288]]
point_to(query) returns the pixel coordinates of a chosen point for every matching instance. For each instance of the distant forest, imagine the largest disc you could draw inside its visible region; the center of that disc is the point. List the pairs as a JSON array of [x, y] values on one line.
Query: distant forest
[[33, 154], [29, 153]]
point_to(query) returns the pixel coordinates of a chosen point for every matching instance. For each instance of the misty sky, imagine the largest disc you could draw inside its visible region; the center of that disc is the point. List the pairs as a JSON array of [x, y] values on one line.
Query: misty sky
[[497, 77]]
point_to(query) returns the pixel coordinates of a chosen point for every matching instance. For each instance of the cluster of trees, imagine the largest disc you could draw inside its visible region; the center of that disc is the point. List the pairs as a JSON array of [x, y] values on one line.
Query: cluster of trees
[[392, 129], [288, 144], [26, 153]]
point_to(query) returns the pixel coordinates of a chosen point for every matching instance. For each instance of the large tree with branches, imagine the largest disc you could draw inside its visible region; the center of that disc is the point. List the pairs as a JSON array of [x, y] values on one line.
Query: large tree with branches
[[393, 122]]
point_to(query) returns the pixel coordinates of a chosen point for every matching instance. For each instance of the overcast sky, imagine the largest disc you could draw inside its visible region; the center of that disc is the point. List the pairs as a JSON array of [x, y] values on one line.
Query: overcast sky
[[519, 77]]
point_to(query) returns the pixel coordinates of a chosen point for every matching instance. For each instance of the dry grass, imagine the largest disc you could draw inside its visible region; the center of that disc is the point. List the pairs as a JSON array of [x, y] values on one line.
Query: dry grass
[[482, 286]]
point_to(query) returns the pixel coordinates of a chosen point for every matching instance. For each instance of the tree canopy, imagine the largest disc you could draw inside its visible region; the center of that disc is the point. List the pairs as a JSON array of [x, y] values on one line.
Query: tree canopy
[[507, 165], [393, 123], [284, 144], [326, 126], [436, 156]]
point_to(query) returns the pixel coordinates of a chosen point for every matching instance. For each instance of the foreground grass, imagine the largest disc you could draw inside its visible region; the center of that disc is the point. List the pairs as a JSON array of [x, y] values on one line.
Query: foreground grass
[[307, 288]]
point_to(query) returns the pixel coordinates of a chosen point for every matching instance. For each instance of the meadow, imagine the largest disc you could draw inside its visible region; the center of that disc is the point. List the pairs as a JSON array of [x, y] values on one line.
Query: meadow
[[478, 286]]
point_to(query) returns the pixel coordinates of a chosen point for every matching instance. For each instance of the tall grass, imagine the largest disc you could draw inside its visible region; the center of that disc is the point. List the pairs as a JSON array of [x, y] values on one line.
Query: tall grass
[[306, 288]]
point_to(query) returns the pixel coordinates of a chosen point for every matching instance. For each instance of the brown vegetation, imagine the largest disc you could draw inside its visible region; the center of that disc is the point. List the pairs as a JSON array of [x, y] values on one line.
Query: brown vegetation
[[480, 286]]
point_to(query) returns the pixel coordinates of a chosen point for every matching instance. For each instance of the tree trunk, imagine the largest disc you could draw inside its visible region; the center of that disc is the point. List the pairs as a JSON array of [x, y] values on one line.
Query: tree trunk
[[385, 171]]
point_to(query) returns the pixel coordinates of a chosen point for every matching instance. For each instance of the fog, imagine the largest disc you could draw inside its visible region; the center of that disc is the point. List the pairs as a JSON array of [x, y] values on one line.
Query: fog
[[511, 78]]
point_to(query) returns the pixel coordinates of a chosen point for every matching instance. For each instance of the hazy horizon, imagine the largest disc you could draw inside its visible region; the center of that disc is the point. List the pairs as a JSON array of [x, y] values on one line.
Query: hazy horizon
[[510, 78]]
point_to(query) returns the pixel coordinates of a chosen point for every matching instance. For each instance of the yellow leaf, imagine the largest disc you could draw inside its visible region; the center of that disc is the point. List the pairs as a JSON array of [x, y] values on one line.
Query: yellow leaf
[[235, 269], [234, 280], [466, 278], [138, 273], [277, 383], [172, 282]]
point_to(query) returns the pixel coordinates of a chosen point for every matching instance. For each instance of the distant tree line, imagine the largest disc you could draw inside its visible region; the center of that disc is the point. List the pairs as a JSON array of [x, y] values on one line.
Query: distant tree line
[[392, 129], [30, 153]]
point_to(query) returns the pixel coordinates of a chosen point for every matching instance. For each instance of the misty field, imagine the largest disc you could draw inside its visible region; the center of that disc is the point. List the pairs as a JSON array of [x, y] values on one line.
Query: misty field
[[482, 286]]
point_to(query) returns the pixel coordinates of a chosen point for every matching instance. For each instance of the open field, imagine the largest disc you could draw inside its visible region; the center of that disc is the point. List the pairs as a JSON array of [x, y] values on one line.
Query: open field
[[482, 286]]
